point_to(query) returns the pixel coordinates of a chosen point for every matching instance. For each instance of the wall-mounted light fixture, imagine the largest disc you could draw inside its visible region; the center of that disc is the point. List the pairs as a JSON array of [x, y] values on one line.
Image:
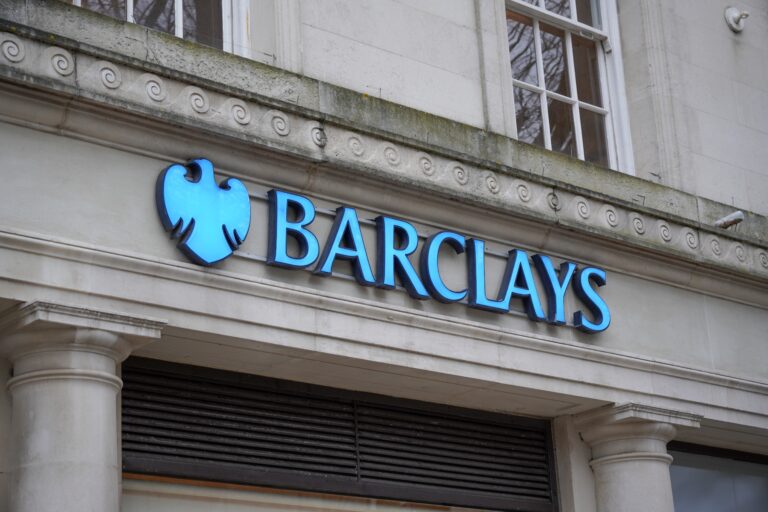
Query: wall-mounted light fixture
[[735, 17], [730, 220]]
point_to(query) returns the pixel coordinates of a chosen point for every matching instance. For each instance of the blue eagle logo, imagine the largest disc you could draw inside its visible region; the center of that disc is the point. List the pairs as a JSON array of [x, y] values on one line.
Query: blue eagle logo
[[210, 220]]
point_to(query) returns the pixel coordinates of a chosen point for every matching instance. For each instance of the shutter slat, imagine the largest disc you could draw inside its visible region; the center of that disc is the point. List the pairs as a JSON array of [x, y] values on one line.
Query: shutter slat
[[239, 423], [226, 438], [202, 423]]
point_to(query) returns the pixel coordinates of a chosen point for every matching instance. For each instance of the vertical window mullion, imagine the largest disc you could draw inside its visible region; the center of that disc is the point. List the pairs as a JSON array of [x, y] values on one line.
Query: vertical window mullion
[[610, 136], [574, 95], [574, 14], [226, 26], [178, 17], [77, 3], [542, 84], [129, 11]]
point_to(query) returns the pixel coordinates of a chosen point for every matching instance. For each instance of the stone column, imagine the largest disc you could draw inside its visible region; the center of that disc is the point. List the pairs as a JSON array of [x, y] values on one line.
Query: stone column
[[629, 455], [64, 430]]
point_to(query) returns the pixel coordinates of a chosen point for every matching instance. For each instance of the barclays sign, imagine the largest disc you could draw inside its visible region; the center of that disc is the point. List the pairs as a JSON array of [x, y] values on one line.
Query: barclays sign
[[212, 220]]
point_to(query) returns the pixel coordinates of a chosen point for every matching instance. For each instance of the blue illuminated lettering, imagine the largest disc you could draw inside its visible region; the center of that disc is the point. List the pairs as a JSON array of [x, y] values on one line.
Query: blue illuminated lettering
[[346, 242], [428, 265], [517, 282], [595, 304], [290, 216], [280, 228], [391, 260], [555, 286]]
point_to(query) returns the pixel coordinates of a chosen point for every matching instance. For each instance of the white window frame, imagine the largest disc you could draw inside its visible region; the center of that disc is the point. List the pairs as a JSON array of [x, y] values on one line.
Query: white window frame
[[234, 16], [611, 76]]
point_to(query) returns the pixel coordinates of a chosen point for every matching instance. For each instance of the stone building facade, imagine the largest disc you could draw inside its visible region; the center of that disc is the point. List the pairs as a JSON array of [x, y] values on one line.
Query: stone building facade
[[614, 136]]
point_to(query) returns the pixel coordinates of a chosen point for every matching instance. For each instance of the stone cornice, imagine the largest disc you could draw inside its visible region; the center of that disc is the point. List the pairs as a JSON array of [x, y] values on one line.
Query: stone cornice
[[632, 412], [271, 109], [38, 314], [136, 266]]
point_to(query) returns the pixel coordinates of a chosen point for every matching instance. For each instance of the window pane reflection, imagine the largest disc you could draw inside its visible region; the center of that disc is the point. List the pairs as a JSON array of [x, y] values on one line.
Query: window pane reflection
[[554, 59], [593, 136], [202, 22], [702, 483], [587, 72], [587, 13], [155, 14], [530, 127], [561, 7], [522, 52], [561, 127], [114, 8]]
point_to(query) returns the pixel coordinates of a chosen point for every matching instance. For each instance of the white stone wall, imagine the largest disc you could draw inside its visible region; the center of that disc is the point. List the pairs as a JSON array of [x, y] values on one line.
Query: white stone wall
[[5, 433], [115, 212], [698, 97], [422, 54]]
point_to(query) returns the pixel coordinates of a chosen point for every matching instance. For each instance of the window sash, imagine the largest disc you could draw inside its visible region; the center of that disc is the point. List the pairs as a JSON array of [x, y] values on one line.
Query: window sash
[[538, 12], [227, 19], [538, 15]]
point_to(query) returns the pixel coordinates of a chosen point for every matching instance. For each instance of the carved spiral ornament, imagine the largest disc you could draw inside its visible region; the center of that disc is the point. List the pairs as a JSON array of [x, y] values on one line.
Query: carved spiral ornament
[[764, 259], [611, 218], [493, 184], [741, 254], [582, 209], [524, 193], [554, 201], [240, 112], [461, 175], [664, 232], [392, 156], [110, 75], [155, 89], [199, 101], [691, 239], [319, 137], [280, 124], [638, 225], [356, 146], [717, 250], [11, 48], [426, 165], [61, 61]]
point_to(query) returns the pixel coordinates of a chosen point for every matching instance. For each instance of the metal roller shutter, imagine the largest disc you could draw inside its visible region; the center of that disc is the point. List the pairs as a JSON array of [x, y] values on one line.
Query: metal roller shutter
[[191, 422]]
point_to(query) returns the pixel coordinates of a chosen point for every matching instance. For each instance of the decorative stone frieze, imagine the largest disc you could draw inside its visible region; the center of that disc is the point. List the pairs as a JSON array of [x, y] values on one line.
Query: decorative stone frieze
[[131, 89]]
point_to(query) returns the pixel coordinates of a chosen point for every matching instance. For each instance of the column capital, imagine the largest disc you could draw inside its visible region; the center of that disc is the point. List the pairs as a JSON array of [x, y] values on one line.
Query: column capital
[[629, 455], [65, 407], [631, 429], [41, 326], [633, 412]]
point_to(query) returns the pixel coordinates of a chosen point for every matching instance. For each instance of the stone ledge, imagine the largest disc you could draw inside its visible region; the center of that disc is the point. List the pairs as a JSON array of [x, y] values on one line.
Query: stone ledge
[[522, 180], [48, 313], [632, 412]]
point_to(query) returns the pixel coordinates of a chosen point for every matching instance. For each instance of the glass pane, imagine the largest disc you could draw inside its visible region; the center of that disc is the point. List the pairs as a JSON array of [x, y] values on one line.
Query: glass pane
[[561, 127], [114, 8], [593, 135], [522, 53], [155, 14], [561, 7], [587, 72], [703, 483], [587, 12], [530, 127], [554, 59], [202, 22]]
